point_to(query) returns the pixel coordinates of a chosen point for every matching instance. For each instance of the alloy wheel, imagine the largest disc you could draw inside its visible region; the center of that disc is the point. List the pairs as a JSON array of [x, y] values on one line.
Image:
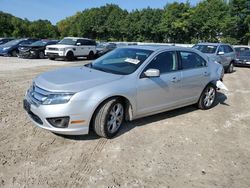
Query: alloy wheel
[[115, 118], [209, 96]]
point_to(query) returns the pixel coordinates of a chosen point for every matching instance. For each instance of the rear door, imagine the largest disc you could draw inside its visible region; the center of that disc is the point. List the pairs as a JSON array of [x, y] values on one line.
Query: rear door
[[194, 76]]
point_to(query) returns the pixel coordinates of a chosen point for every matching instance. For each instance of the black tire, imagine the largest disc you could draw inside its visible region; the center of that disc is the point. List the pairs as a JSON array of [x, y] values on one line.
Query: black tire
[[70, 56], [91, 55], [103, 117], [41, 55], [13, 53], [52, 58], [230, 68], [206, 102]]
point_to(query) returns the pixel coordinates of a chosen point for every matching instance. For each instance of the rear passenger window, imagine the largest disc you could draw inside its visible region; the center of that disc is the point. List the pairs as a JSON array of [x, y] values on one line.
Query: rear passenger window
[[165, 62], [191, 60]]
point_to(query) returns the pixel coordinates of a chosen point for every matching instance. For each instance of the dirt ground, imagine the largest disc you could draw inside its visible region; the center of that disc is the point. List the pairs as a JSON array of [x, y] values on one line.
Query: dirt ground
[[181, 148]]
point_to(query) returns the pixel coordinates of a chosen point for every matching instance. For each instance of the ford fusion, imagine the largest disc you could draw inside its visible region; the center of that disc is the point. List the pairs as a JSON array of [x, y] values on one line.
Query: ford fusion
[[124, 84]]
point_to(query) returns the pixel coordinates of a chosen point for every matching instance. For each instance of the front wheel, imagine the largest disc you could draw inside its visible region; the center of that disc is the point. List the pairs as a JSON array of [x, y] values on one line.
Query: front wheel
[[14, 53], [207, 97], [41, 55], [108, 118], [70, 56]]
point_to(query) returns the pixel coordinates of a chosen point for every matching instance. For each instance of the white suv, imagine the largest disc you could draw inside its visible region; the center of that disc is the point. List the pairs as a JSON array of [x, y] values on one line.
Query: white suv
[[70, 48]]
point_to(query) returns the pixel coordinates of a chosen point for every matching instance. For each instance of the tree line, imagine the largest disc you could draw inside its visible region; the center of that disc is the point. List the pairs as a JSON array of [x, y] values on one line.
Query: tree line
[[209, 20]]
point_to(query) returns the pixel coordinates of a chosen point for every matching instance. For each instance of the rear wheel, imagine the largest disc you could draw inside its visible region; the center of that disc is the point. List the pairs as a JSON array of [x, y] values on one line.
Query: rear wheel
[[70, 56], [91, 55], [109, 118], [207, 97], [230, 68]]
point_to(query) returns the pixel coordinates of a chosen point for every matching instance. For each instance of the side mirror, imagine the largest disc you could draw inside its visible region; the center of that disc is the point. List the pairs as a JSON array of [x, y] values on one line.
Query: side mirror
[[78, 44], [220, 53], [152, 73]]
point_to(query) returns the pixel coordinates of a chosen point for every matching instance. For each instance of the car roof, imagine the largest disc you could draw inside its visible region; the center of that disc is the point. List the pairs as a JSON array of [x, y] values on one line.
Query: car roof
[[76, 38], [156, 47], [241, 46], [211, 43]]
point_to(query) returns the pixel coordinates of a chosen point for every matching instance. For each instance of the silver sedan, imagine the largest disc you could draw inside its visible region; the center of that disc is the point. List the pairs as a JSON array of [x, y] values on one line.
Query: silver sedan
[[123, 85]]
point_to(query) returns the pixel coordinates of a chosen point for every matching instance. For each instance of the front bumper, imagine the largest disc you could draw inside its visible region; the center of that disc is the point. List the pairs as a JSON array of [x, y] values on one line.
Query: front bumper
[[4, 53], [75, 110], [28, 54], [242, 63], [54, 54]]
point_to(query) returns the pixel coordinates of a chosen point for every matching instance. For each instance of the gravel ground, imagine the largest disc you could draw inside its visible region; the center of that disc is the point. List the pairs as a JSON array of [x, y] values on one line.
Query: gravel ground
[[181, 148]]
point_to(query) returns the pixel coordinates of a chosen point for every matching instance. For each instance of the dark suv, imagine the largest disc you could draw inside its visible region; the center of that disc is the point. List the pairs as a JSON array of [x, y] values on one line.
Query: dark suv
[[11, 48], [36, 49], [219, 52]]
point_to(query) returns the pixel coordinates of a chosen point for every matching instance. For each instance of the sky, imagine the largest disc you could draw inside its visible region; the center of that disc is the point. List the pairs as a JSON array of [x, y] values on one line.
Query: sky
[[56, 10]]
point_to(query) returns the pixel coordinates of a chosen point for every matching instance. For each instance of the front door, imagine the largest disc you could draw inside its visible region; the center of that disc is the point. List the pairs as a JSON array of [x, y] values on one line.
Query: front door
[[159, 93]]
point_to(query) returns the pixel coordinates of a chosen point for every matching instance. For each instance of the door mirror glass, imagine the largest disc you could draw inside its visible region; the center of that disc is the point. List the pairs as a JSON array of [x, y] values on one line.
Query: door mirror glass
[[152, 73], [220, 53]]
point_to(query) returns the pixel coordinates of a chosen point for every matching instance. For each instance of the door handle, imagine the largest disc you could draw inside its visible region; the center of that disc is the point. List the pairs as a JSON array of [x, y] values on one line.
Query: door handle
[[175, 79], [206, 74]]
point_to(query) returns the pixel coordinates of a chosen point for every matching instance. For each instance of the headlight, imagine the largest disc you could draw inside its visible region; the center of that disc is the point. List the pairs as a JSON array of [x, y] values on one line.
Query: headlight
[[6, 48], [58, 98], [61, 49]]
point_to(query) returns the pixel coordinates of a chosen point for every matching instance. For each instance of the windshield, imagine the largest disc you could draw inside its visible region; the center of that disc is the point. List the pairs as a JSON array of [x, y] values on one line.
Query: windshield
[[121, 61], [245, 53], [240, 49], [101, 45], [208, 49], [13, 42], [68, 41], [39, 43]]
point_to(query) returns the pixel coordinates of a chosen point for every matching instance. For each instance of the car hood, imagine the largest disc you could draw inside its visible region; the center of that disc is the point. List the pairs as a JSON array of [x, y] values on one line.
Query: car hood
[[73, 79], [6, 46], [211, 57]]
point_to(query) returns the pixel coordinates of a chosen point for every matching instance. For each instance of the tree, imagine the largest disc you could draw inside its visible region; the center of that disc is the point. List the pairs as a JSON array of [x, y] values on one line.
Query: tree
[[239, 12], [175, 22], [207, 20]]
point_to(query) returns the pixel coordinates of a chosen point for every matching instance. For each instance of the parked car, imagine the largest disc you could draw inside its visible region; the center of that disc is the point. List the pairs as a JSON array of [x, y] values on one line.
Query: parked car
[[125, 84], [219, 52], [243, 58], [5, 40], [71, 47], [35, 50], [11, 48], [238, 49], [104, 48]]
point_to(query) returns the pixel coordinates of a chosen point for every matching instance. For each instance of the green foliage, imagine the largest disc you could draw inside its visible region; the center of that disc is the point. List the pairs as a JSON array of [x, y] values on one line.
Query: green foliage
[[175, 24], [209, 20]]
